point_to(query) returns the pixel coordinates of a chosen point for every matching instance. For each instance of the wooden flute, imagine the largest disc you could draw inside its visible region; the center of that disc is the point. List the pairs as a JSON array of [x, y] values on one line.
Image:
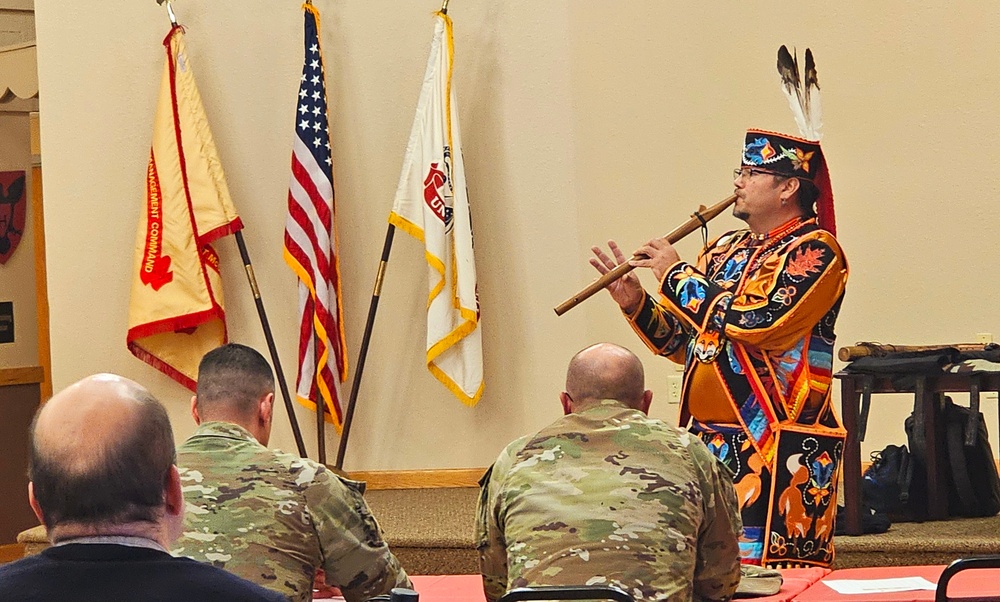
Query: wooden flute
[[700, 217]]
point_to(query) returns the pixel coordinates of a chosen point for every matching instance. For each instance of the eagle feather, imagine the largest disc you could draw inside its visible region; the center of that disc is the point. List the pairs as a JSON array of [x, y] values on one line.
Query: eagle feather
[[802, 92]]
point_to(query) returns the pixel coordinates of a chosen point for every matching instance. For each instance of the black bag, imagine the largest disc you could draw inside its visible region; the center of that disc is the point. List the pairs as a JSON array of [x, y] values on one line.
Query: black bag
[[894, 486], [872, 520], [886, 484], [972, 479]]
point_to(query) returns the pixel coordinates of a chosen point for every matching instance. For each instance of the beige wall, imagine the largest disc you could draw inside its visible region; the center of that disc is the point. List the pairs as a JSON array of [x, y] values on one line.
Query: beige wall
[[580, 124], [17, 276]]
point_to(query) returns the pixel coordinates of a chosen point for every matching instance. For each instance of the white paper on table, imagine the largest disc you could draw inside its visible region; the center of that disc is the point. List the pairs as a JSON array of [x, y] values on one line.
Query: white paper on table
[[877, 586]]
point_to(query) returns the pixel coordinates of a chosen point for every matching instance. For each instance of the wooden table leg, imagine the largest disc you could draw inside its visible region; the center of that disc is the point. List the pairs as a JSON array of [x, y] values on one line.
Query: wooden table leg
[[867, 384], [851, 465], [937, 491]]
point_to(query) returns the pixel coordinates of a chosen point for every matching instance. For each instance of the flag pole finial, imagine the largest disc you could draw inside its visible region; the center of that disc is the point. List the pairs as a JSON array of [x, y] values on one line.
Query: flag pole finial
[[444, 7], [170, 11]]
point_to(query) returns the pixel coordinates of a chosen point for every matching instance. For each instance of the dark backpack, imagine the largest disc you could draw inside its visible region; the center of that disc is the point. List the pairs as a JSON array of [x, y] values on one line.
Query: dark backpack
[[886, 484], [973, 483], [872, 521], [893, 485]]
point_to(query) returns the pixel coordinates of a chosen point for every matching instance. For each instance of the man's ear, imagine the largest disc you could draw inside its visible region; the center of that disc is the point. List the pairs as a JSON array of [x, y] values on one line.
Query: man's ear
[[789, 187], [567, 403], [33, 502], [172, 524], [173, 496], [267, 407], [194, 410], [647, 399], [265, 412]]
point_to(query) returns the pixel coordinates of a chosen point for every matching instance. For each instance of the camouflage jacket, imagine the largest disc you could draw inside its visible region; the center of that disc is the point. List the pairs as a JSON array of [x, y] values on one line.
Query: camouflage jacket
[[273, 518], [610, 496]]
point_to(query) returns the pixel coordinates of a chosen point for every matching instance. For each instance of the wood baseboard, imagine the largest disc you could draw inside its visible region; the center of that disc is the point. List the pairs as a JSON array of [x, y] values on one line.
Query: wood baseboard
[[28, 375], [11, 552], [420, 479], [432, 479], [445, 477]]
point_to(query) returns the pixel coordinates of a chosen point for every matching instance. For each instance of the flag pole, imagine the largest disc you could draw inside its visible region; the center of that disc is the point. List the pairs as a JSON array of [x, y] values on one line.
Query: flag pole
[[173, 18], [366, 339], [270, 344], [260, 305], [320, 423], [363, 353]]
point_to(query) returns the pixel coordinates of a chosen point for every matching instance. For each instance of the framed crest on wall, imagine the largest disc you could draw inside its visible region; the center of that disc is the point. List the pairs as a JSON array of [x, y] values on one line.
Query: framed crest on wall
[[12, 212]]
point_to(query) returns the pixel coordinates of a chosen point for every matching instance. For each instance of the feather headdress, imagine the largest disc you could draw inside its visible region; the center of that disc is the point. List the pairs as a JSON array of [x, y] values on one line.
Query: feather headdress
[[802, 92]]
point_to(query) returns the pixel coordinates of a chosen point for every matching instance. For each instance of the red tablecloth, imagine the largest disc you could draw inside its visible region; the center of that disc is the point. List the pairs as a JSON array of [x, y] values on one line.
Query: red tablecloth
[[970, 584], [793, 583], [449, 588], [469, 588]]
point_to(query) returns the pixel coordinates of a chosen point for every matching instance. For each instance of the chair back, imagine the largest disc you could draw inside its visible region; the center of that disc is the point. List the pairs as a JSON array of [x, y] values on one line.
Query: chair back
[[397, 594], [567, 592], [962, 564]]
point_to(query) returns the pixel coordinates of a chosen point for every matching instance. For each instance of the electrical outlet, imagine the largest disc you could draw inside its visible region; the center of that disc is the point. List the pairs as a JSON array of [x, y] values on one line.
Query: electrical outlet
[[674, 385], [984, 337]]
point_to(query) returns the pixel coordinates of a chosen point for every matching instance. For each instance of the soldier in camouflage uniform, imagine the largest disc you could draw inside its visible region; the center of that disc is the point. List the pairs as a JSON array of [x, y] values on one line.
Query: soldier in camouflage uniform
[[606, 495], [268, 516]]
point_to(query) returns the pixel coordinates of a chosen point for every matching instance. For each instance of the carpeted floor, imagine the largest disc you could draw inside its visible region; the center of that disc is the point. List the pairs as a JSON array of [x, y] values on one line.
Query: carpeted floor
[[937, 542], [431, 531]]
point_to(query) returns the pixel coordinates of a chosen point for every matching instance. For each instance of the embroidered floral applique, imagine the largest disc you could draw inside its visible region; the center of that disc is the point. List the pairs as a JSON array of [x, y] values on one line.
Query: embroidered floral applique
[[799, 159], [804, 261]]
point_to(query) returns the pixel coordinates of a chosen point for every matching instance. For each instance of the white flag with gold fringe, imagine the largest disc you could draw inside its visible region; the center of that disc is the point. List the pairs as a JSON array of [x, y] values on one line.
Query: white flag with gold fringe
[[432, 205]]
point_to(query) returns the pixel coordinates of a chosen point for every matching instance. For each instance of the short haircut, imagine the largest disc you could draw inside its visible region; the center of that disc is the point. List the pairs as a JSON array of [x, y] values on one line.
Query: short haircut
[[233, 377], [614, 373], [125, 483]]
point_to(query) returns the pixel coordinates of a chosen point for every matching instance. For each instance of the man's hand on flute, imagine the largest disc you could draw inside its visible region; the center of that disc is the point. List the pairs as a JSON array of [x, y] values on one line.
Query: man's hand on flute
[[657, 255], [627, 291]]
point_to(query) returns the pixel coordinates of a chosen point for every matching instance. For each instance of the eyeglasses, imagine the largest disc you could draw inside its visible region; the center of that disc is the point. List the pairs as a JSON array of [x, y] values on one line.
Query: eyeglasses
[[749, 172]]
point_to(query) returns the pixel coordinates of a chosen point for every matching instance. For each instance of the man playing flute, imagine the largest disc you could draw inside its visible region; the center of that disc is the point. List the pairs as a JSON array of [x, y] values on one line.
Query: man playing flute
[[752, 320]]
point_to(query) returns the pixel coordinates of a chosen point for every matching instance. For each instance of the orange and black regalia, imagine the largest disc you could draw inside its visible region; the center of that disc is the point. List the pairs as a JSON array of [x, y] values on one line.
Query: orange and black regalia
[[753, 322]]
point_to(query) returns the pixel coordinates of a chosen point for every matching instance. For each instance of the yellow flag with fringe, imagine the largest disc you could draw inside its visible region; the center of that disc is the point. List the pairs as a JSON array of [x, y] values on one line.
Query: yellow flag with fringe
[[176, 312]]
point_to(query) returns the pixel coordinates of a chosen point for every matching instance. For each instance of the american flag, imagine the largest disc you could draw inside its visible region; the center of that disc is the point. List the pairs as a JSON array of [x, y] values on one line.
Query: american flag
[[311, 239]]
